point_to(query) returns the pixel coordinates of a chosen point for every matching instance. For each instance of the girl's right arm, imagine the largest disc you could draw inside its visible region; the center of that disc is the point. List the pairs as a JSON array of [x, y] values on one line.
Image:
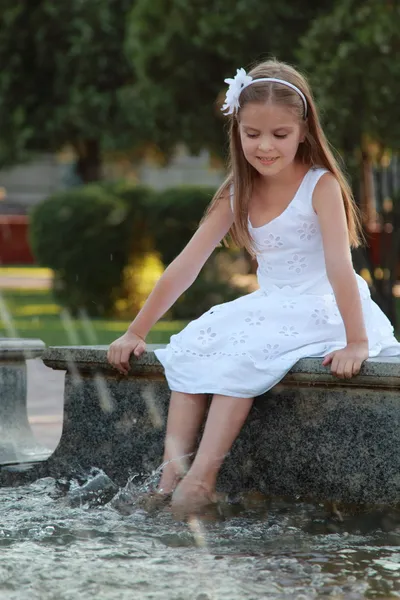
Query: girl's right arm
[[177, 277]]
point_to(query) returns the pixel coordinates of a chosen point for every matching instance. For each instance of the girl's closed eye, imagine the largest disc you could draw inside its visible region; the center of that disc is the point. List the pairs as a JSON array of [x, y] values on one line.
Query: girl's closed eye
[[282, 136]]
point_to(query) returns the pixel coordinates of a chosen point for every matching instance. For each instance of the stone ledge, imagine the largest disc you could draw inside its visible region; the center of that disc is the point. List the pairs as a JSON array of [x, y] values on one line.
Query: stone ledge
[[313, 435], [17, 442], [376, 372], [20, 349]]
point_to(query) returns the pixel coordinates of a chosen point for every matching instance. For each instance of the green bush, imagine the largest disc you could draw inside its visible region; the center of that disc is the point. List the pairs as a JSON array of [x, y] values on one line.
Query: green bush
[[103, 242], [175, 214], [216, 283], [87, 236]]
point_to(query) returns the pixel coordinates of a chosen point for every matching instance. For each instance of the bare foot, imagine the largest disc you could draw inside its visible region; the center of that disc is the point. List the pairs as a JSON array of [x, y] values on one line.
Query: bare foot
[[173, 471], [191, 497], [153, 501], [168, 483]]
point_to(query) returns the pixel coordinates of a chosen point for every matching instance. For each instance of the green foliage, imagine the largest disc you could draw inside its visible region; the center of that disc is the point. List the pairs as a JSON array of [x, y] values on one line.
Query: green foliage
[[98, 237], [87, 236], [65, 79], [351, 57], [213, 286], [175, 214], [182, 52]]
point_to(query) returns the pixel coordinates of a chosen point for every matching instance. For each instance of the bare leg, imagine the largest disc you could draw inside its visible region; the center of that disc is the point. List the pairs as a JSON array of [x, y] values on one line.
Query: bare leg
[[185, 416], [224, 422]]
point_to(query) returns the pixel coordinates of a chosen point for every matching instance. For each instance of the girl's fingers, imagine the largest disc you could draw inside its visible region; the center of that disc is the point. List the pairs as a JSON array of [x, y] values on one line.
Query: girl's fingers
[[335, 364], [124, 360], [119, 355], [348, 369], [117, 360], [328, 359], [357, 367], [341, 366], [140, 348]]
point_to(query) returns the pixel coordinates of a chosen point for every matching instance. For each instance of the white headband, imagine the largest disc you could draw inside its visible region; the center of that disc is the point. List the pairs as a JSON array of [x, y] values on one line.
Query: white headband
[[242, 81]]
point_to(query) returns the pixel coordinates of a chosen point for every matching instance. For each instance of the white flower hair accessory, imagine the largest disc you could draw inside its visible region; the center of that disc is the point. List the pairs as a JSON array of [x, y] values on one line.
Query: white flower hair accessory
[[241, 81], [236, 85]]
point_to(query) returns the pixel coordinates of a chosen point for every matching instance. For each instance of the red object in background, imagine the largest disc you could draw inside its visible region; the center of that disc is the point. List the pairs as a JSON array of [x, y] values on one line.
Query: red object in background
[[373, 239], [14, 240]]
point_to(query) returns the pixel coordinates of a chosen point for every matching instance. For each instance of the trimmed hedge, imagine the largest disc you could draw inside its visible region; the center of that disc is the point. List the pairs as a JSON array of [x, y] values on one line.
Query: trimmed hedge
[[99, 238], [87, 235], [174, 215]]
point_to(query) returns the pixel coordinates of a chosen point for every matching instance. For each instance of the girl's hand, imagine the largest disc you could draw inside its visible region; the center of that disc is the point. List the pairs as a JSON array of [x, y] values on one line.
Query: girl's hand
[[347, 362], [119, 351]]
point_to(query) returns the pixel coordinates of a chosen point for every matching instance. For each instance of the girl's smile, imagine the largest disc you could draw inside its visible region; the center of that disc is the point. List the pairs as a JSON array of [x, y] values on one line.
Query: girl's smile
[[267, 161]]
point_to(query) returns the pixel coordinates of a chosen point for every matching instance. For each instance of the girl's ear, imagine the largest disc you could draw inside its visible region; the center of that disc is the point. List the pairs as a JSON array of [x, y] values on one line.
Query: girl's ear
[[304, 131]]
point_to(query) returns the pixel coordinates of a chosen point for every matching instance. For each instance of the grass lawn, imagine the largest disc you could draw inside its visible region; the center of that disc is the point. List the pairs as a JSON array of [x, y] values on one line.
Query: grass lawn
[[33, 313]]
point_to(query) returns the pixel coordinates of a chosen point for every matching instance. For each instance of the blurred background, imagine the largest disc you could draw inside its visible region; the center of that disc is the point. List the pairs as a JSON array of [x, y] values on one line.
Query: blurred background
[[112, 145]]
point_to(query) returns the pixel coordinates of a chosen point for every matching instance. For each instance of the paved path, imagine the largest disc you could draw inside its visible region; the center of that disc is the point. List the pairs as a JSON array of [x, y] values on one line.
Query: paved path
[[22, 282], [45, 402]]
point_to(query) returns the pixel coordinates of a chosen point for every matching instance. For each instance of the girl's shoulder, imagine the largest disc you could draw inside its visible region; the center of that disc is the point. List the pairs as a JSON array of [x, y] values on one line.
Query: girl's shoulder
[[304, 196]]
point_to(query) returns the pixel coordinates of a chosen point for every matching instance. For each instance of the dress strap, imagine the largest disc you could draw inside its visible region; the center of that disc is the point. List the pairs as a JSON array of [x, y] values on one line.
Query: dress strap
[[310, 181]]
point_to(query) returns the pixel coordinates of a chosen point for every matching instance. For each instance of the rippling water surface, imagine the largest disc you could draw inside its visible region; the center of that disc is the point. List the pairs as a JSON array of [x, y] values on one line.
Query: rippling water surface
[[255, 549]]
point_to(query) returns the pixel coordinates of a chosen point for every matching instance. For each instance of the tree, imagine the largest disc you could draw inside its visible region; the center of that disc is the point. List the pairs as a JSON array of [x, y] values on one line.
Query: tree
[[182, 52], [351, 55], [65, 79]]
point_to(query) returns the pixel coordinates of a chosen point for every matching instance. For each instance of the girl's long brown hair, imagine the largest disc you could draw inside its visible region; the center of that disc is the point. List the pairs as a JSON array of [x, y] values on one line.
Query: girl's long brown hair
[[315, 150]]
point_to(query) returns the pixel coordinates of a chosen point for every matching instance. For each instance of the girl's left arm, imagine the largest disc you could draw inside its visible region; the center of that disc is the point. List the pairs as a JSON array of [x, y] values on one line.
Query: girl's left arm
[[329, 206]]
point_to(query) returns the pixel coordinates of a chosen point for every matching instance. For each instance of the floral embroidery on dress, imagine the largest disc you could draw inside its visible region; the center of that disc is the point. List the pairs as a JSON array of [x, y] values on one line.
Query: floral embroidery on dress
[[255, 318], [332, 307], [238, 338], [271, 351], [297, 264], [289, 331], [307, 231], [320, 316], [273, 241], [265, 265], [206, 336], [289, 304]]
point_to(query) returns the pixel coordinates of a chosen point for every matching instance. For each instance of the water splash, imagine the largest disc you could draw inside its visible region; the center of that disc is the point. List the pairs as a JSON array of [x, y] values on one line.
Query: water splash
[[87, 327], [7, 319], [139, 493], [69, 327]]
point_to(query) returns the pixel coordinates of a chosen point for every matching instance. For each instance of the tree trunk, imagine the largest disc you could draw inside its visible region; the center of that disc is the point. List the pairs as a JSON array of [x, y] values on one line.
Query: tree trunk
[[367, 200], [88, 164]]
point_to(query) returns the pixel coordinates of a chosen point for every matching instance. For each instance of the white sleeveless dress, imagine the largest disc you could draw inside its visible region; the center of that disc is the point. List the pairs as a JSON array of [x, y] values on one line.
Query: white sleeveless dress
[[244, 347]]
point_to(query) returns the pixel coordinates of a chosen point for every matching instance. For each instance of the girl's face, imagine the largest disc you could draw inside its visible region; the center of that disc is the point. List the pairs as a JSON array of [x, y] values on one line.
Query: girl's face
[[270, 135]]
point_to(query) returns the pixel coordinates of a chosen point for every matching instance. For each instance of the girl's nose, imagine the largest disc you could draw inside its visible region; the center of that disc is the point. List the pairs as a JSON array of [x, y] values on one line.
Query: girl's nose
[[264, 145]]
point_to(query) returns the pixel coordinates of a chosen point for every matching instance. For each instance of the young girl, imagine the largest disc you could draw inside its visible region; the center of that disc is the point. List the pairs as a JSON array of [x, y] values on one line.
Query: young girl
[[286, 201]]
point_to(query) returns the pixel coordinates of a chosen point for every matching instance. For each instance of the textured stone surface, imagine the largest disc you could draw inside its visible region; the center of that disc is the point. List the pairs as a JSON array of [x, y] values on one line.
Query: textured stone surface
[[312, 435], [20, 349], [377, 371], [17, 443]]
